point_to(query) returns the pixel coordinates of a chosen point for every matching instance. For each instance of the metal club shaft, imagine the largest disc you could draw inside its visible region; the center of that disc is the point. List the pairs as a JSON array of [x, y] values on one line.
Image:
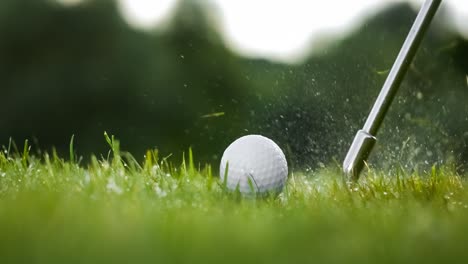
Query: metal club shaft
[[365, 138]]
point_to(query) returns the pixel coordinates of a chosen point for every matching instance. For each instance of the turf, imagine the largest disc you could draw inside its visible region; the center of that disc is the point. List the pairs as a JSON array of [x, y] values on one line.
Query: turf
[[118, 210]]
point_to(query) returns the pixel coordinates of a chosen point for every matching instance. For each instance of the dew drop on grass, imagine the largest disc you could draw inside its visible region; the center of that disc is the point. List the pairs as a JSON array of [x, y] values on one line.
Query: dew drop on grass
[[87, 178], [105, 166], [113, 187]]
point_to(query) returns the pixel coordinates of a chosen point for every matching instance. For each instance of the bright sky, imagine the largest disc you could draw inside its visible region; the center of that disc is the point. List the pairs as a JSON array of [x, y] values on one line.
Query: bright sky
[[147, 13], [281, 30]]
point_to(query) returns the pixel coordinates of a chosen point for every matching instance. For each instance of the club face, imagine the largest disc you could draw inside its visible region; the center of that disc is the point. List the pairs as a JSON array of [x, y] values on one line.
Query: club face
[[357, 155]]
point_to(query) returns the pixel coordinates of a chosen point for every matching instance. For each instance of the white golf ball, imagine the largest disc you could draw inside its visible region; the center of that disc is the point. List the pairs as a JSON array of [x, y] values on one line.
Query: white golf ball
[[255, 165]]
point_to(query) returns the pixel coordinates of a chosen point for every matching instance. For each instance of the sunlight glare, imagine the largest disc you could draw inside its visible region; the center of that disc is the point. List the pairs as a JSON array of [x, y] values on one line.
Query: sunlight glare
[[284, 29], [278, 29], [146, 14]]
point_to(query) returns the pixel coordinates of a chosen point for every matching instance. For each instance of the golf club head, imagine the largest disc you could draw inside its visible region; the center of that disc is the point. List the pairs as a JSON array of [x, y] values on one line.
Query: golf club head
[[365, 139], [358, 154]]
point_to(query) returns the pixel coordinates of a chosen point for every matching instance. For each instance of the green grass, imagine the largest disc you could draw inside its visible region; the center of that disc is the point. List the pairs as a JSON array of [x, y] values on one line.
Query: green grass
[[118, 210]]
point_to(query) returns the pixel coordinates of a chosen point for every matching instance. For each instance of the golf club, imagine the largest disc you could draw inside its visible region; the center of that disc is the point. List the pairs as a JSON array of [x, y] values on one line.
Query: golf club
[[366, 137]]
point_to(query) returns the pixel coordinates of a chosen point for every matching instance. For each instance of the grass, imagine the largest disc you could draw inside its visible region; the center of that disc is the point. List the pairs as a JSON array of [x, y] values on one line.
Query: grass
[[118, 210]]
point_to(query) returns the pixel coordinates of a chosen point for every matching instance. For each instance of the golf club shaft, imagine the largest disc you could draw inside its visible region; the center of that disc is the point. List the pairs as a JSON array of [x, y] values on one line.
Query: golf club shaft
[[401, 65], [365, 138]]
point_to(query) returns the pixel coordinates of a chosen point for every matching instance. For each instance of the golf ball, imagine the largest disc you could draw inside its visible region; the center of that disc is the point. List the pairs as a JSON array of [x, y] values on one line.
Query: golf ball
[[255, 165]]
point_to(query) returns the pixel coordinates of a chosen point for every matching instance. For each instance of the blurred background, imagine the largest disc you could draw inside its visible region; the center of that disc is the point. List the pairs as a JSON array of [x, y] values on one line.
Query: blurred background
[[174, 74]]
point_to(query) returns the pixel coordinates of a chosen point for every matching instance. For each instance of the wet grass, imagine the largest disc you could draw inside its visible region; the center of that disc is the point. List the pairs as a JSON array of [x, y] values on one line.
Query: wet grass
[[118, 210]]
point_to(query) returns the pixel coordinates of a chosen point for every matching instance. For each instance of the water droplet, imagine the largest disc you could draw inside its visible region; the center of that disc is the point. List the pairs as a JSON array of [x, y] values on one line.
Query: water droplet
[[113, 187], [159, 192], [419, 96]]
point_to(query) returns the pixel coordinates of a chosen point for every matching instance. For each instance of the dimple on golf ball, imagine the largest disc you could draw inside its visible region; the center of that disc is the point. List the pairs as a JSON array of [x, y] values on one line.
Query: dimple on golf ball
[[255, 165]]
